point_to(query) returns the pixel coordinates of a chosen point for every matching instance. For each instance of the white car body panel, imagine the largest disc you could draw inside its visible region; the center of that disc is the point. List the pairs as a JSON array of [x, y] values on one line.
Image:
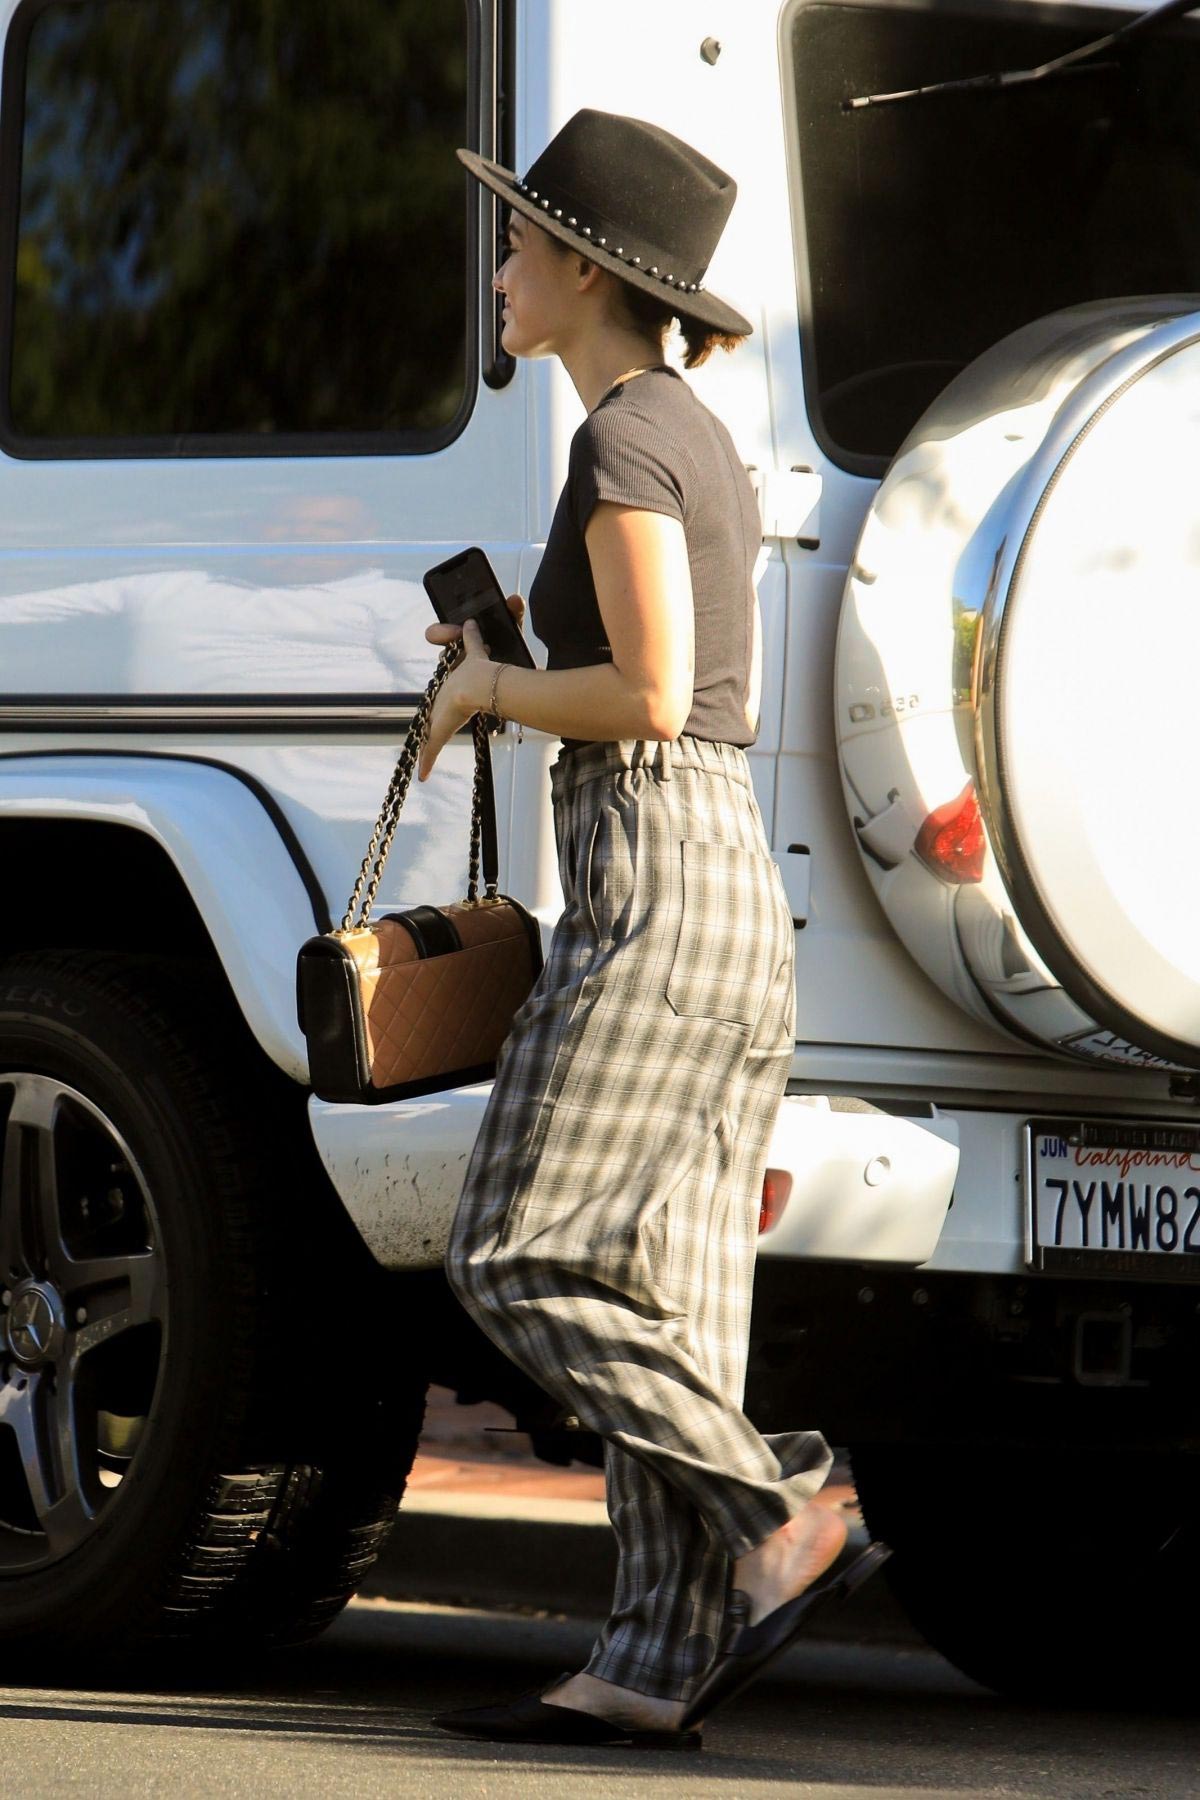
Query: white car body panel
[[291, 586], [212, 828], [863, 1185]]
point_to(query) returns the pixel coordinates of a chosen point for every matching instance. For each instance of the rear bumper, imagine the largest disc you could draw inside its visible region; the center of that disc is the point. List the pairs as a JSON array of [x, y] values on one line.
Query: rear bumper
[[866, 1186]]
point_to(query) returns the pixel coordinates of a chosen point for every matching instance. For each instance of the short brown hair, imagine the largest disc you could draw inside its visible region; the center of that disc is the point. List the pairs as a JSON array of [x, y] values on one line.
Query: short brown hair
[[699, 340], [650, 313]]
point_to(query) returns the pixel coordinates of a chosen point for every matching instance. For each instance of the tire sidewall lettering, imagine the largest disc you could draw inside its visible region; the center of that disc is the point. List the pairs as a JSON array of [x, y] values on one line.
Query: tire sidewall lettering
[[43, 999]]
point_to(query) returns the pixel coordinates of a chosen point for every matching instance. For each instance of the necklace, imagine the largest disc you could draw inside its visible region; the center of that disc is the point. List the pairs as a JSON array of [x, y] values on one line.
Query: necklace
[[646, 369]]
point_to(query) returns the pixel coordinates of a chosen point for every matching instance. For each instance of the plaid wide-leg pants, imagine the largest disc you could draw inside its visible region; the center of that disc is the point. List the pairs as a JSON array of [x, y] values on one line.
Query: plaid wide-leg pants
[[606, 1233]]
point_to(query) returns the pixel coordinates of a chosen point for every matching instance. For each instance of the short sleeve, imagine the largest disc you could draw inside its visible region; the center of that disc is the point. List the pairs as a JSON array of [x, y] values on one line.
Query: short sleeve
[[620, 454]]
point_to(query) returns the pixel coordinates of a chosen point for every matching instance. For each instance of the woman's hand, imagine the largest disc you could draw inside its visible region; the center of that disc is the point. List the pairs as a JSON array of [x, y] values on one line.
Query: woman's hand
[[465, 691], [449, 634]]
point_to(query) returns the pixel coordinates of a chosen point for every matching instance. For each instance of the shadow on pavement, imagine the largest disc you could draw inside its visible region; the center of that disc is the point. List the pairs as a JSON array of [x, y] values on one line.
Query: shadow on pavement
[[833, 1718]]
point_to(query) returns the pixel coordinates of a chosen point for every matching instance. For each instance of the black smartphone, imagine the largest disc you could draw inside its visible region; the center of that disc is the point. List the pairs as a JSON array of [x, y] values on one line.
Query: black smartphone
[[465, 587]]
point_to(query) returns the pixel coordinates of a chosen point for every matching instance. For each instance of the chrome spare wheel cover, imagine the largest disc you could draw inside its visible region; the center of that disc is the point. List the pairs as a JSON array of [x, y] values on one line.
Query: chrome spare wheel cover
[[82, 1318], [1015, 681]]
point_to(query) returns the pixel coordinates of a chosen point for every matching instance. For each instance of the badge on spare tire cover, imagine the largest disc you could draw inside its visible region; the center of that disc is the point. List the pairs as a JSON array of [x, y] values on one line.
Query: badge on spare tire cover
[[1029, 572]]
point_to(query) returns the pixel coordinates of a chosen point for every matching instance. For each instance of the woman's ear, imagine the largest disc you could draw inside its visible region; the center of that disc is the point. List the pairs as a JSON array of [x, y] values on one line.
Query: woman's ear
[[589, 274]]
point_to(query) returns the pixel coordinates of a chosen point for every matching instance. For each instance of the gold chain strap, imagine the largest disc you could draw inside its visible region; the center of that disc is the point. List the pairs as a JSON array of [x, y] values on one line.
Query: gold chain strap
[[371, 872], [481, 752]]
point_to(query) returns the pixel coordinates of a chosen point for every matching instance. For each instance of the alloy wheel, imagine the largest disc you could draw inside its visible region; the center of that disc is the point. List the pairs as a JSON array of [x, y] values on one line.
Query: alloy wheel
[[83, 1318]]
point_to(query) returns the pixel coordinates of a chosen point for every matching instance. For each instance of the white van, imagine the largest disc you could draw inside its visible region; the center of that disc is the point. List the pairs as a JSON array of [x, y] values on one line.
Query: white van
[[252, 389]]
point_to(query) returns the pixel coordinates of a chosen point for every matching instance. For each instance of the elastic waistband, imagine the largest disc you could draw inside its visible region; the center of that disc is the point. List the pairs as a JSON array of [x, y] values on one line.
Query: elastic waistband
[[659, 759]]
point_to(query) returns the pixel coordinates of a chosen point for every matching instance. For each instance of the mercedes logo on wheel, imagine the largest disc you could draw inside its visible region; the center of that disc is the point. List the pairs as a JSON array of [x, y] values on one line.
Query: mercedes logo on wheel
[[31, 1323]]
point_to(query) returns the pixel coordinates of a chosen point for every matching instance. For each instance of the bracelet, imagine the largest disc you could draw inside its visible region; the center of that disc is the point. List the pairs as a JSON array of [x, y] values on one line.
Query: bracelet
[[491, 705]]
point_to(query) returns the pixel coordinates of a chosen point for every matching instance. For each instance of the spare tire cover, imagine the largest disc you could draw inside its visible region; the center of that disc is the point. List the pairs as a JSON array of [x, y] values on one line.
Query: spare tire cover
[[1017, 670]]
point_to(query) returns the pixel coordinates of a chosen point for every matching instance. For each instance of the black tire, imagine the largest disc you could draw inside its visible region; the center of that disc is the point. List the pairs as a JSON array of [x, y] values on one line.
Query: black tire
[[193, 1510], [1056, 1576], [328, 1527]]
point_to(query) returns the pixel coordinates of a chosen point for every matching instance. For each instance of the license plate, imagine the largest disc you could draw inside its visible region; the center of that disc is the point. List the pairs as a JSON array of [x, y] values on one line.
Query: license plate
[[1112, 1197]]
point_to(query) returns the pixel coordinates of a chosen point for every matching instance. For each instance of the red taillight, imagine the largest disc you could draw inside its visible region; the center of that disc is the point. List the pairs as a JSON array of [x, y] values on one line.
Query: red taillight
[[777, 1188], [951, 842]]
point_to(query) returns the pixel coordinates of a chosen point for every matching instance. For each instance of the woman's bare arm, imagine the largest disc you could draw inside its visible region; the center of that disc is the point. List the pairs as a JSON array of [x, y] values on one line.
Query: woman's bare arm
[[643, 585]]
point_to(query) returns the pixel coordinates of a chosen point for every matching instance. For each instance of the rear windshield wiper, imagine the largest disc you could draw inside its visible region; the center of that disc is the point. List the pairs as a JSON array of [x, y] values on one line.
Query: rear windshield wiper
[[1061, 65]]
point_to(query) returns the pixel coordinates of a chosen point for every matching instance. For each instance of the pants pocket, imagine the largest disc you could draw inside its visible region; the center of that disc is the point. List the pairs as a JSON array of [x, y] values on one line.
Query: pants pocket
[[578, 863], [590, 873], [727, 949]]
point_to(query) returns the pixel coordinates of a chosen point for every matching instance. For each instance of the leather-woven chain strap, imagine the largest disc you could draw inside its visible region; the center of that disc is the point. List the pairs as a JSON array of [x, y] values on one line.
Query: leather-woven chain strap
[[369, 876]]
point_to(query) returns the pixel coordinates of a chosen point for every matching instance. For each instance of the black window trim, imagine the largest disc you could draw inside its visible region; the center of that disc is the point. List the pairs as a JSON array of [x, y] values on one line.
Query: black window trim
[[1034, 12], [500, 128], [480, 108]]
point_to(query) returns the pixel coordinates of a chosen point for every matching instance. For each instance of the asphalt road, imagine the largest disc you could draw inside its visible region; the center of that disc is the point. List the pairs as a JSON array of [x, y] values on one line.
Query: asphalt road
[[348, 1716]]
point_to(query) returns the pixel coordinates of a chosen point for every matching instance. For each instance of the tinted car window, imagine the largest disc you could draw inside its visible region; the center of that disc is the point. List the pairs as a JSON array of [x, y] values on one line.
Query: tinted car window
[[934, 227], [239, 218]]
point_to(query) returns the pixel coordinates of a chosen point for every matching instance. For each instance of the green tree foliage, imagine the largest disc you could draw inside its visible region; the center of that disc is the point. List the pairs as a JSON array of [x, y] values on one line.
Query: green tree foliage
[[241, 215], [966, 631]]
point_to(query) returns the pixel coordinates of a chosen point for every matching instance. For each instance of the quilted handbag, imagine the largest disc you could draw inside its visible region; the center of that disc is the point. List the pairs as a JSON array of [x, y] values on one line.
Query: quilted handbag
[[422, 999]]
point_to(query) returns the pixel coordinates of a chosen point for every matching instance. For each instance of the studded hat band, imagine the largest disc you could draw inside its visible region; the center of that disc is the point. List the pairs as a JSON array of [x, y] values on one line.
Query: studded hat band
[[643, 258], [633, 198]]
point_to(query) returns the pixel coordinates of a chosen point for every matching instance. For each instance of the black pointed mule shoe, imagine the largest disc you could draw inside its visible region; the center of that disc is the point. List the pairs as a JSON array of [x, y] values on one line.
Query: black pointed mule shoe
[[749, 1648], [528, 1720]]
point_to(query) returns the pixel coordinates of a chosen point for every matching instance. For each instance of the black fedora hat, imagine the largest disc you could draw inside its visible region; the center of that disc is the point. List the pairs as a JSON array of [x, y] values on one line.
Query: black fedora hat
[[632, 198]]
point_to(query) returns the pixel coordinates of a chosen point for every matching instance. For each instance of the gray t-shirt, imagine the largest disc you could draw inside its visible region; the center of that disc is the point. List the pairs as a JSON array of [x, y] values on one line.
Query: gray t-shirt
[[650, 443]]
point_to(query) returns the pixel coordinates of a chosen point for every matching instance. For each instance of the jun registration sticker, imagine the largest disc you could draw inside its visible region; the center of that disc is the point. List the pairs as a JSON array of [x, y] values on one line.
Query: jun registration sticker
[[1107, 1196]]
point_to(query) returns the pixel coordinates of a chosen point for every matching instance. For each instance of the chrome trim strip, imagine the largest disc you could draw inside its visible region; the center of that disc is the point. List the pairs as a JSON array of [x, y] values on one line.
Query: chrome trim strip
[[43, 713]]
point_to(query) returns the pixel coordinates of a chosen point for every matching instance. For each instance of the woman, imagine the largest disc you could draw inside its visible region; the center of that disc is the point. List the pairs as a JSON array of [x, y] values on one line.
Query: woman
[[606, 1233]]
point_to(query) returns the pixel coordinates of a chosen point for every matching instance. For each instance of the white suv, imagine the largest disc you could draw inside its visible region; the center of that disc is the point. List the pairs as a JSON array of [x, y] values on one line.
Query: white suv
[[252, 389]]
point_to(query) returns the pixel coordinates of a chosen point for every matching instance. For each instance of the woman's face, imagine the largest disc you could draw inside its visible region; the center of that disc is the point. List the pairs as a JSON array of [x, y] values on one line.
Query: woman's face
[[540, 284]]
